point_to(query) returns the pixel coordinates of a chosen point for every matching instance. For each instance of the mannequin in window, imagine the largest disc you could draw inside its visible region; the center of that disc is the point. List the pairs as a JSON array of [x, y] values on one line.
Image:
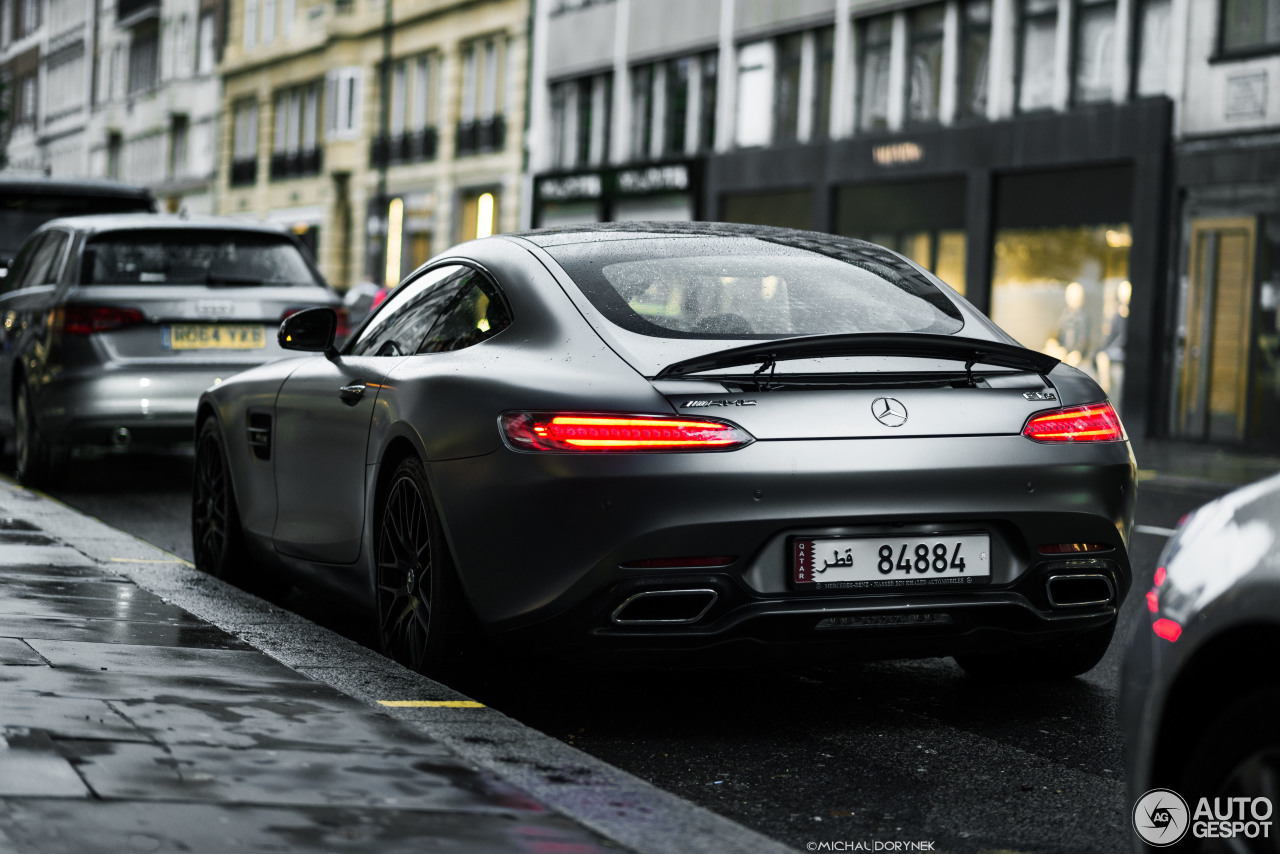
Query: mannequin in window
[[1110, 358], [1070, 342]]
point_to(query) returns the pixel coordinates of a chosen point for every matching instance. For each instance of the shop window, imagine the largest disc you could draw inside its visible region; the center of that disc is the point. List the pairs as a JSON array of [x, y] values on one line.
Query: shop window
[[1151, 69], [1095, 50], [755, 94], [924, 87], [975, 47], [877, 48], [793, 209], [1038, 50], [1264, 392], [1250, 26], [479, 215], [786, 88], [1065, 291]]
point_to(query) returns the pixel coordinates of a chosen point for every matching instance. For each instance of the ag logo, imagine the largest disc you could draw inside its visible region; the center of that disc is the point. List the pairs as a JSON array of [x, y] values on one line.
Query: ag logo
[[1161, 817], [889, 411]]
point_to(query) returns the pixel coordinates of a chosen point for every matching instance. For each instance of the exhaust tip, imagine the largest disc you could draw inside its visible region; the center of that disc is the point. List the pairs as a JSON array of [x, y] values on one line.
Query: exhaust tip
[[1080, 590], [121, 437], [664, 607]]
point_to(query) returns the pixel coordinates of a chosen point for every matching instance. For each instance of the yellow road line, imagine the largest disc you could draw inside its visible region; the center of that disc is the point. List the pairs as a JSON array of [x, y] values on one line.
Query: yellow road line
[[432, 704]]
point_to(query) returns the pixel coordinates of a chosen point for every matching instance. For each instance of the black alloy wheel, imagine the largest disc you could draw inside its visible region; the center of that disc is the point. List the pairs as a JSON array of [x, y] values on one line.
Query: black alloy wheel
[[417, 601], [216, 537]]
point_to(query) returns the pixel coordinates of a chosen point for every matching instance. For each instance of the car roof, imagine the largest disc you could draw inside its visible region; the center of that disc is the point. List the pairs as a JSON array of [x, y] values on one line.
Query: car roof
[[35, 183], [101, 223]]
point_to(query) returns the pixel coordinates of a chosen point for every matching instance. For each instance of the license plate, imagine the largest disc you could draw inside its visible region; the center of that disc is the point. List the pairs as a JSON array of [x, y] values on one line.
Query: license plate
[[211, 336], [880, 562]]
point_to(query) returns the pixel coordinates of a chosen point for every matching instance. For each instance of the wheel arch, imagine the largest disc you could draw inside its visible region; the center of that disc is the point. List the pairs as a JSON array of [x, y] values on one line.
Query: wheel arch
[[1217, 673]]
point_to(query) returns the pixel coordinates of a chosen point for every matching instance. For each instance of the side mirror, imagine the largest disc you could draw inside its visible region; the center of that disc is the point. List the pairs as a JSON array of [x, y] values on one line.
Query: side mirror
[[311, 330]]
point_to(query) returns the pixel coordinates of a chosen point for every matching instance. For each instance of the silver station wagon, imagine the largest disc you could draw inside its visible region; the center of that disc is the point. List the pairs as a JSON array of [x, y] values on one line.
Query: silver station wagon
[[113, 325]]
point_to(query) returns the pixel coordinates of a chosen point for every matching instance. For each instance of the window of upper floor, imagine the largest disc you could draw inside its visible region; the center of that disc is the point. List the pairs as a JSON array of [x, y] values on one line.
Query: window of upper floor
[[1248, 27], [144, 59], [581, 110], [344, 94]]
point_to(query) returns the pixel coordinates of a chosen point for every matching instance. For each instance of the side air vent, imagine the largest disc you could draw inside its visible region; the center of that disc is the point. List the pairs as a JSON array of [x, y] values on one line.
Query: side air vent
[[260, 434]]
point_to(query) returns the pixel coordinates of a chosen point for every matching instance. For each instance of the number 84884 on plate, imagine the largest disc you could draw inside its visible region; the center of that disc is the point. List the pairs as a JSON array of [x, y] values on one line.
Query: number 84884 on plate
[[891, 561]]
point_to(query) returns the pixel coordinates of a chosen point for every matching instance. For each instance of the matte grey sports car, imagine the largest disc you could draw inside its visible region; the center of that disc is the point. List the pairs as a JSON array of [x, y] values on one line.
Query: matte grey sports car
[[680, 438]]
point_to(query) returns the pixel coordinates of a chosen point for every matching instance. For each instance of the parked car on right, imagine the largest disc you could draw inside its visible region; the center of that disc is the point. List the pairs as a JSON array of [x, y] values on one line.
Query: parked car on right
[[111, 327], [1201, 689]]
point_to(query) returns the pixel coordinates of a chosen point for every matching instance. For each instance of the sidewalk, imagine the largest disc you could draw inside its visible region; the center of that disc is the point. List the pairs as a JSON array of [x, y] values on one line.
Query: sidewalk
[[129, 723], [1173, 463]]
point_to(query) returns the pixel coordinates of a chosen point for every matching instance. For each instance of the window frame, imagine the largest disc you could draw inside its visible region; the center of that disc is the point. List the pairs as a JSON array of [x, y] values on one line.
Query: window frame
[[1078, 7], [1222, 54], [963, 84], [865, 47], [1021, 49]]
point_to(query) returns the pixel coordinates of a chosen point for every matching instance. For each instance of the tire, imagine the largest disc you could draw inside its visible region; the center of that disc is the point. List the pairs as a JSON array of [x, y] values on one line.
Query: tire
[[216, 536], [1237, 755], [423, 620], [37, 462], [1062, 659]]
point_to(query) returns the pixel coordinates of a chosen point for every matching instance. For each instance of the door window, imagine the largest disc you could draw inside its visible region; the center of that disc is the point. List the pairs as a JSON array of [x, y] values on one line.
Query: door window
[[409, 313], [479, 312], [40, 259]]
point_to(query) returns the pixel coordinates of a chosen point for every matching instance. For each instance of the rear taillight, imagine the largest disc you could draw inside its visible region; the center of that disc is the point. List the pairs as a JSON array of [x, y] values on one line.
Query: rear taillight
[[88, 319], [599, 432], [1096, 422]]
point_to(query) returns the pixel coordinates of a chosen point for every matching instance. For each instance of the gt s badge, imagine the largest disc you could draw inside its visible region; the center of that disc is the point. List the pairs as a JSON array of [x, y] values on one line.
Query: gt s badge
[[689, 404], [1039, 395]]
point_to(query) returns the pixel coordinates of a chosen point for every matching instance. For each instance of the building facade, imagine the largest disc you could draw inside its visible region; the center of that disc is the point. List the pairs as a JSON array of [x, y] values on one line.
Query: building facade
[[1223, 327], [1020, 149], [124, 89], [381, 131]]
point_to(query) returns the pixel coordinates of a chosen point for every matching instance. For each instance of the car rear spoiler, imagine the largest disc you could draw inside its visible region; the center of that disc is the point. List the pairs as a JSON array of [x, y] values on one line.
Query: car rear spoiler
[[971, 351]]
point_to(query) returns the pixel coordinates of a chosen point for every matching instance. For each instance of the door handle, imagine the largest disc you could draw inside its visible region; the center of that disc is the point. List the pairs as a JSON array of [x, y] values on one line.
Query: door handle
[[352, 393]]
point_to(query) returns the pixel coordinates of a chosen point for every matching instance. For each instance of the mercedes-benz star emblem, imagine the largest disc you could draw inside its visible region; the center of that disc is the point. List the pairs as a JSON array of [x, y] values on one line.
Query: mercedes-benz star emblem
[[889, 411]]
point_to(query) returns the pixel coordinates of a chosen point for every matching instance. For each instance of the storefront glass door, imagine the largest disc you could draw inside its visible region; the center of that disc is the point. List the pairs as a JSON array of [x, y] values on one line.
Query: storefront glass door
[[1219, 333]]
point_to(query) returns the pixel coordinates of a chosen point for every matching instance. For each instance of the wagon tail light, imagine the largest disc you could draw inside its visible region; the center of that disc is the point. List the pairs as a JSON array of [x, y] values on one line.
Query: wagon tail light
[[589, 432], [1096, 422], [88, 319]]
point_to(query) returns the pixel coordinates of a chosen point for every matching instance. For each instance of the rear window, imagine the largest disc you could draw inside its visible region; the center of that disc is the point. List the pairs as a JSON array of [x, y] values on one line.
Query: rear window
[[750, 289], [193, 257], [21, 213]]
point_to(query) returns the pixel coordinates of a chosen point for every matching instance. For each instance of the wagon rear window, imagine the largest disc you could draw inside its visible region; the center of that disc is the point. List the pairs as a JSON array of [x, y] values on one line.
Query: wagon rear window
[[194, 257]]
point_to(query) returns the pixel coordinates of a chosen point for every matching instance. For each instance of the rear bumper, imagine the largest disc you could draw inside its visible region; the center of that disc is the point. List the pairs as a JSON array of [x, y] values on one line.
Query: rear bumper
[[155, 404], [563, 525]]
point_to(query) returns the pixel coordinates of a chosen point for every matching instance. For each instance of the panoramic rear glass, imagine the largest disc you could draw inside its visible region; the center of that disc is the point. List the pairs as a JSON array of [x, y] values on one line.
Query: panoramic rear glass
[[193, 257], [747, 288]]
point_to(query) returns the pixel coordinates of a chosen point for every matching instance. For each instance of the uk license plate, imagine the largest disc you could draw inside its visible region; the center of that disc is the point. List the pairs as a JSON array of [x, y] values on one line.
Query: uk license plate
[[214, 336], [841, 563]]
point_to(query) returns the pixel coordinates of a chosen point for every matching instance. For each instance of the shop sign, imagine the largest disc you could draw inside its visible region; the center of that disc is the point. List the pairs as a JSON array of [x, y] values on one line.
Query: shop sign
[[897, 153], [588, 186], [655, 179]]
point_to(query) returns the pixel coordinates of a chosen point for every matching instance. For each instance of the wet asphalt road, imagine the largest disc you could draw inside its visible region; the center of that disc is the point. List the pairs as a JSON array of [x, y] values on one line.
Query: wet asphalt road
[[894, 751]]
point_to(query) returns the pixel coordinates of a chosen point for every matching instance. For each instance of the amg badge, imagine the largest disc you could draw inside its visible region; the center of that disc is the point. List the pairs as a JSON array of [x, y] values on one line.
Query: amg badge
[[1039, 395], [689, 404]]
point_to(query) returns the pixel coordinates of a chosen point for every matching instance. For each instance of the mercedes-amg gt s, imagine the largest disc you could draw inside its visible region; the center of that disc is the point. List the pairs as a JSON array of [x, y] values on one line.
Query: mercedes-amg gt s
[[703, 440]]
